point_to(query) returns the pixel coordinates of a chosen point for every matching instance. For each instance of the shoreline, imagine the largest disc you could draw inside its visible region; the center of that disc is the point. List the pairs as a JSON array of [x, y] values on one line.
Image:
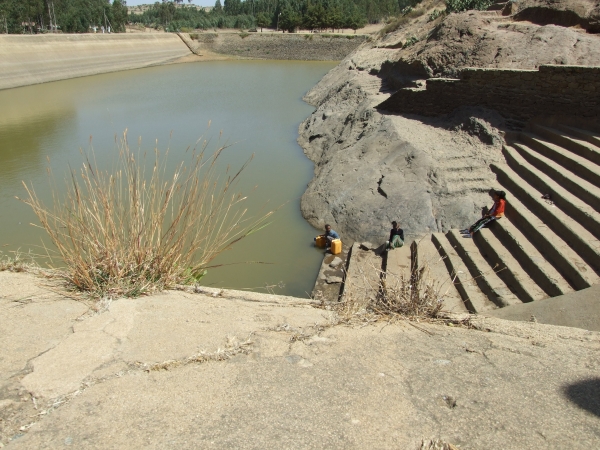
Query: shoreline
[[34, 59]]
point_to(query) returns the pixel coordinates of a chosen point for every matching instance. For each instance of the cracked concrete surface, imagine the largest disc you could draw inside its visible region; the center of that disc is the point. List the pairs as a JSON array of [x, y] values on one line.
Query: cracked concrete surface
[[211, 370]]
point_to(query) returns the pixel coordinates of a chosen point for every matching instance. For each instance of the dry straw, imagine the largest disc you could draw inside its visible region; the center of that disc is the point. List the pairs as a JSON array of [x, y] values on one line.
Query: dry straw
[[138, 230], [411, 295]]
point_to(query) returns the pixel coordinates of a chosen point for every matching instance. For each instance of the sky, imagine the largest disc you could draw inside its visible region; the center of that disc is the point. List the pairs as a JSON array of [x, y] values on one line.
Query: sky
[[150, 2]]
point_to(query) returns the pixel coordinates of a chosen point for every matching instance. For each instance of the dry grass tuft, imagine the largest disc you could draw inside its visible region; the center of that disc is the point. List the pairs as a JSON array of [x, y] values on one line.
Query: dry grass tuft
[[138, 230], [20, 262], [413, 295]]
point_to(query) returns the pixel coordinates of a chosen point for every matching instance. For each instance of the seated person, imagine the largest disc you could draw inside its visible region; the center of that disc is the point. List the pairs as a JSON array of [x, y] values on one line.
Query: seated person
[[329, 235], [495, 213], [396, 237]]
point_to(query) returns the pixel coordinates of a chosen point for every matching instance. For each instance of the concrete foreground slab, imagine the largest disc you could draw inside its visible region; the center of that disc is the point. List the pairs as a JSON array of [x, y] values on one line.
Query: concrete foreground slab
[[579, 309], [185, 370]]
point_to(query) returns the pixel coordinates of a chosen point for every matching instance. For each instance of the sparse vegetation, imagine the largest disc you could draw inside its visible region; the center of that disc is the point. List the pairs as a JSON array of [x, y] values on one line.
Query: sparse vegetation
[[19, 262], [410, 42], [398, 22], [138, 230], [435, 14], [414, 296], [464, 5]]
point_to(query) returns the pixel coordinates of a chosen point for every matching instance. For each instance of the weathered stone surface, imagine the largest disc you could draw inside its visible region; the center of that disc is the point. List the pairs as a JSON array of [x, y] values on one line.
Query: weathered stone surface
[[503, 385], [429, 174], [336, 262]]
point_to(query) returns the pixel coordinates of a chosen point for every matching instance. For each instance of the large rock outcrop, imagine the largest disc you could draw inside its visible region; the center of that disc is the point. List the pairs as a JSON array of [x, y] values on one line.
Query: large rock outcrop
[[430, 174]]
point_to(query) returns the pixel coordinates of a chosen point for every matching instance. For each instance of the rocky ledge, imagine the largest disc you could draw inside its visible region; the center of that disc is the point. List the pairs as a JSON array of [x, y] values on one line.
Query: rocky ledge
[[429, 173]]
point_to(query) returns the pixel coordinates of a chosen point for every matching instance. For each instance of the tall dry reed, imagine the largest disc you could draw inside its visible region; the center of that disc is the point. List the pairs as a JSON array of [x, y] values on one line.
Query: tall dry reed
[[138, 229]]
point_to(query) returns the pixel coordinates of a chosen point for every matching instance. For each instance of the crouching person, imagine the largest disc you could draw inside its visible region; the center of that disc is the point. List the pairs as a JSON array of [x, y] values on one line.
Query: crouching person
[[329, 236], [396, 237]]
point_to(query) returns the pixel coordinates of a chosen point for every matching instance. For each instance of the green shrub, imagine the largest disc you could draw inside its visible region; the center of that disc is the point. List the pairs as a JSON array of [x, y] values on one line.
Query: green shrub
[[410, 42], [435, 14], [244, 35]]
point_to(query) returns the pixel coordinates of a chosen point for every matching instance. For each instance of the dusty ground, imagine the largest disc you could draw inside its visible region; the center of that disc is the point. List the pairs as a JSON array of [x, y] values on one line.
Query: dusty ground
[[217, 370]]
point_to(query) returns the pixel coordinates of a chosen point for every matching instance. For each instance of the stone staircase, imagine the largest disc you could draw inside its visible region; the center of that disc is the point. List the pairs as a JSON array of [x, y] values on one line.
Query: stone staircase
[[543, 247]]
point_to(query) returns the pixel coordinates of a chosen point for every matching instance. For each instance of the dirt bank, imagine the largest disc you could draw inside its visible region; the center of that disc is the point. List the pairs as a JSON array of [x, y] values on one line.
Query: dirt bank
[[304, 47]]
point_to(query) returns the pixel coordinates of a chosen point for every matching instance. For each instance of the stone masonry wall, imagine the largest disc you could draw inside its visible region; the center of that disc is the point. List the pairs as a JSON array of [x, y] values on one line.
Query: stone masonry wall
[[516, 94], [306, 47]]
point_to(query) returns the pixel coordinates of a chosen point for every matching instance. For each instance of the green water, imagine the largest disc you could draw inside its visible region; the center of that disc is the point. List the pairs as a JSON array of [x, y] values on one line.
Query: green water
[[256, 104]]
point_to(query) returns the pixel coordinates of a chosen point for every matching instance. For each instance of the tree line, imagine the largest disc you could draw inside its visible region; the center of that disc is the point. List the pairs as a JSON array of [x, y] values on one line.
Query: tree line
[[288, 15], [68, 16]]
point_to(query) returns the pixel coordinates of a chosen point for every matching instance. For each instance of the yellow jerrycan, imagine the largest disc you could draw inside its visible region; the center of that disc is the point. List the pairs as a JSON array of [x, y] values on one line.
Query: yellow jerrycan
[[336, 246], [320, 241]]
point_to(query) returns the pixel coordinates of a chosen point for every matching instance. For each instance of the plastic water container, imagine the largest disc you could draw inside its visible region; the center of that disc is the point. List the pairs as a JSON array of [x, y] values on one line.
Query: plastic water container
[[336, 246], [320, 241]]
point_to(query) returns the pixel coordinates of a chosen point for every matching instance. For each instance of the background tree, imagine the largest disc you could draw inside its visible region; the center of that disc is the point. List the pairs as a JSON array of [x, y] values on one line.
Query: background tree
[[263, 20], [290, 20], [119, 16]]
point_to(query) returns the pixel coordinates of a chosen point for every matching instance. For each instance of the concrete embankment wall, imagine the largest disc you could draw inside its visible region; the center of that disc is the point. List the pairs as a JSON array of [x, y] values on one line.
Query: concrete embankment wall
[[306, 47], [516, 94], [26, 60]]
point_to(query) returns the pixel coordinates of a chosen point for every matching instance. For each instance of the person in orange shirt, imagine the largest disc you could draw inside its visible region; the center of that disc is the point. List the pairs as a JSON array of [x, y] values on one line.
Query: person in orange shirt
[[495, 213]]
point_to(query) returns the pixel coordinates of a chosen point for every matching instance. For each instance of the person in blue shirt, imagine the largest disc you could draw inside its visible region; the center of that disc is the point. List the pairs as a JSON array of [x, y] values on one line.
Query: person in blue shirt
[[329, 235]]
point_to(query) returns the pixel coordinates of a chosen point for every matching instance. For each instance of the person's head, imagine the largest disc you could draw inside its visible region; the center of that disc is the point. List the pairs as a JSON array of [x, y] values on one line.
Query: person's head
[[327, 227], [394, 224], [499, 195]]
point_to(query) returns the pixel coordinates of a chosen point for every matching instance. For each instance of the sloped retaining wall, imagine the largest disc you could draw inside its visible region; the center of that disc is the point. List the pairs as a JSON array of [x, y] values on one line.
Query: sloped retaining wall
[[26, 60], [515, 94], [305, 47]]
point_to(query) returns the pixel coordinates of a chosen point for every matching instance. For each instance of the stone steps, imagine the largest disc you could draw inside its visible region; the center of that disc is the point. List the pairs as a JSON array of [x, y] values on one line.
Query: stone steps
[[590, 136], [512, 273], [540, 270], [568, 141], [577, 209], [570, 161], [579, 187], [484, 275], [474, 299], [552, 246], [542, 247], [428, 256], [362, 279], [584, 243]]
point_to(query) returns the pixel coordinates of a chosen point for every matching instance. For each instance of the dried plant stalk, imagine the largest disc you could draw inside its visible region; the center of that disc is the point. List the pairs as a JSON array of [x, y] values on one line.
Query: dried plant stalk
[[136, 231]]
